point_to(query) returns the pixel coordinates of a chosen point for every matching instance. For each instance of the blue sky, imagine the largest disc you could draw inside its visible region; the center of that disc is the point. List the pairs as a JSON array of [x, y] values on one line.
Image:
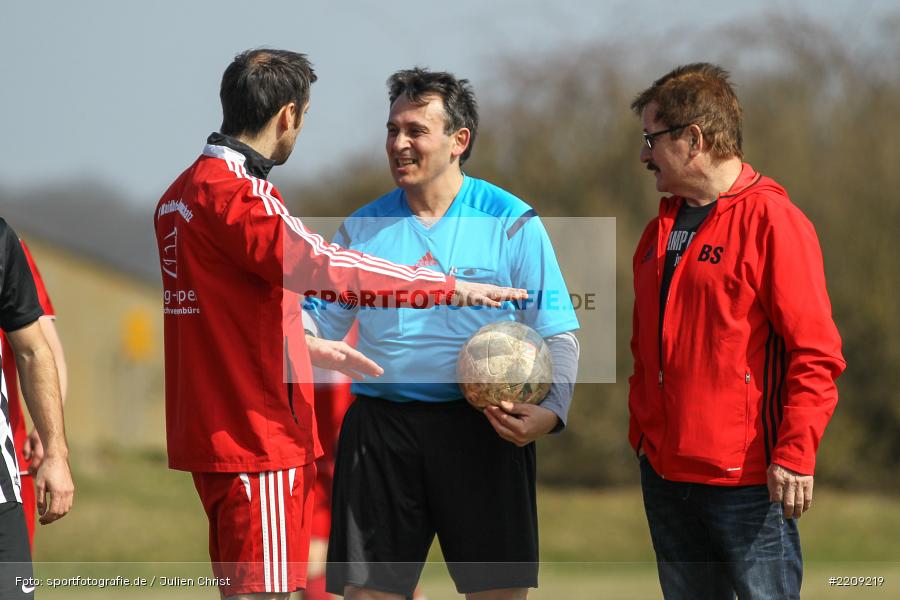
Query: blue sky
[[126, 92]]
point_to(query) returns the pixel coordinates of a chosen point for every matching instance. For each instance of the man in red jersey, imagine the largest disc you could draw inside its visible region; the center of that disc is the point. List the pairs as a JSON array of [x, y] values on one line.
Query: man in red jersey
[[234, 263], [735, 352], [29, 449]]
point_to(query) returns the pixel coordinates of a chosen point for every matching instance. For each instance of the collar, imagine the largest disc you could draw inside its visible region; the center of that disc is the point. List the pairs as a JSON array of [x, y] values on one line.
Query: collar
[[747, 178], [255, 163]]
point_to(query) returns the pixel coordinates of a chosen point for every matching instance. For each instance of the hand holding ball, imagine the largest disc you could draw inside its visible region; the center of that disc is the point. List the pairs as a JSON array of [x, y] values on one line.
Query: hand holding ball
[[504, 361]]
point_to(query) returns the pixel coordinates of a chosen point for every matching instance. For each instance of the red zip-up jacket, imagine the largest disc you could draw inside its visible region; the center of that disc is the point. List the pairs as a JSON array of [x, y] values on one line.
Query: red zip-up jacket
[[233, 261], [744, 372]]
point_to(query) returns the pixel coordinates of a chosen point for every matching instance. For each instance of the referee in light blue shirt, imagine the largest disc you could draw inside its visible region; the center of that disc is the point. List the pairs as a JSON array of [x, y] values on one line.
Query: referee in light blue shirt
[[414, 459]]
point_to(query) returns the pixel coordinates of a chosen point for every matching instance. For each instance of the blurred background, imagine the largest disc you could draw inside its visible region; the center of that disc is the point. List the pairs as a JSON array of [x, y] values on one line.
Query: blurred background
[[104, 103]]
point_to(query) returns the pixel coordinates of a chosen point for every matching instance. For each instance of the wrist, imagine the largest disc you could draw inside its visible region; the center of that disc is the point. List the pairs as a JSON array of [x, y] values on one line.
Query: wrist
[[57, 451]]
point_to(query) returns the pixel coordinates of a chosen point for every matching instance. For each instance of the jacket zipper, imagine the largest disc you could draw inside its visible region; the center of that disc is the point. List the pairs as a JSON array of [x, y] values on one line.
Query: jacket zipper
[[675, 272], [665, 310]]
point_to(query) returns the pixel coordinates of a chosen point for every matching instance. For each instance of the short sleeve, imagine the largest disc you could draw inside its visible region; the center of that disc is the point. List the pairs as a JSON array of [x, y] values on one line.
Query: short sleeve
[[535, 268], [19, 304], [43, 296]]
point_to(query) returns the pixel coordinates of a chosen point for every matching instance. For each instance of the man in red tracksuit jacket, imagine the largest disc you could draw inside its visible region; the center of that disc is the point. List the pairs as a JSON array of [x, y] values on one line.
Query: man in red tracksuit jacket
[[239, 400], [735, 352]]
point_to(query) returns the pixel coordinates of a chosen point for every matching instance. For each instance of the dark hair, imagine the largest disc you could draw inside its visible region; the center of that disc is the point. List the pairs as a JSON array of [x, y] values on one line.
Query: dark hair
[[698, 93], [258, 84], [460, 108]]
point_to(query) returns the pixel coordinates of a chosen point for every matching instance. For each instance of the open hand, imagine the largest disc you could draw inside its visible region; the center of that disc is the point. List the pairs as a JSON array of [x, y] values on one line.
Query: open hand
[[468, 293], [340, 356]]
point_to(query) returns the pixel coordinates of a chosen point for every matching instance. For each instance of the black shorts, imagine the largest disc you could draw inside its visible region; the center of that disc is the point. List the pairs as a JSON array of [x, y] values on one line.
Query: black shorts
[[407, 471], [15, 554]]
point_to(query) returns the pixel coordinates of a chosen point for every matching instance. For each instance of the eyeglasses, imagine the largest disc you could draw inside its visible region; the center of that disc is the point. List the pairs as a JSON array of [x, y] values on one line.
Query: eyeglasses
[[649, 137]]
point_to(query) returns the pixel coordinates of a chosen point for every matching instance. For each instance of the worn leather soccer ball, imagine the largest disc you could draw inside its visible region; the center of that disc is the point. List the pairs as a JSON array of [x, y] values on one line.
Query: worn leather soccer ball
[[504, 361]]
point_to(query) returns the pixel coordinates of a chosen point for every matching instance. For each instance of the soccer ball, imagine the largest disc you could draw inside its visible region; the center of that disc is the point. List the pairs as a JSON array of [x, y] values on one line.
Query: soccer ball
[[504, 361]]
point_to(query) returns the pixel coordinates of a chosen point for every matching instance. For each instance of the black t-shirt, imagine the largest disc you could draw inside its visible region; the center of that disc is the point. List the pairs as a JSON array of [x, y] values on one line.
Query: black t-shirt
[[19, 304], [687, 222]]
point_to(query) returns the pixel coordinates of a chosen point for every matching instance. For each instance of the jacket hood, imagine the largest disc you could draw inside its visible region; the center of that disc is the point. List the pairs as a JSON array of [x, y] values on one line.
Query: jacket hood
[[748, 182]]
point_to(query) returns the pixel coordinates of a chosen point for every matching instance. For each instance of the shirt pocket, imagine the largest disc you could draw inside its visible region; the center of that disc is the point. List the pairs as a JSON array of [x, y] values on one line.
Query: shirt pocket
[[466, 320]]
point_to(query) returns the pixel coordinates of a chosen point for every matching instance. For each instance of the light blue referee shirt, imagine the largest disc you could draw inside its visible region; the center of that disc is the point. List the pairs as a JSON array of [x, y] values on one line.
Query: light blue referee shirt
[[487, 235]]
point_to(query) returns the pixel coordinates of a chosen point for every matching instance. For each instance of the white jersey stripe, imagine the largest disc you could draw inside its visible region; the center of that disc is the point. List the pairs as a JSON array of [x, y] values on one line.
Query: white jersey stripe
[[342, 258], [282, 527], [255, 182], [319, 247], [10, 479], [262, 186], [333, 250], [403, 270], [246, 481], [282, 208], [273, 519], [265, 530], [277, 206]]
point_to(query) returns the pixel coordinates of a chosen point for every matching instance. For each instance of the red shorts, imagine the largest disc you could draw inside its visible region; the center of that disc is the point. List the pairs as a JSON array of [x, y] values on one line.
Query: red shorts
[[29, 505], [259, 528]]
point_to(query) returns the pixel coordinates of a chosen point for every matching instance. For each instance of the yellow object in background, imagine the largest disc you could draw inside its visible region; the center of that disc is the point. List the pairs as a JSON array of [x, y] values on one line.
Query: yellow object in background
[[137, 335]]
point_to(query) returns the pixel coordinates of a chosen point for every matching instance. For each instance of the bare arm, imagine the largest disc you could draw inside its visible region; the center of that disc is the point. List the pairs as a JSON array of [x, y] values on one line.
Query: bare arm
[[40, 385], [33, 450], [48, 328]]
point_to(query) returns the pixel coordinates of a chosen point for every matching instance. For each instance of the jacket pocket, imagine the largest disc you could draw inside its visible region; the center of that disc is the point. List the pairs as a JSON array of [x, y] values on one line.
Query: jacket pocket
[[747, 411], [707, 422]]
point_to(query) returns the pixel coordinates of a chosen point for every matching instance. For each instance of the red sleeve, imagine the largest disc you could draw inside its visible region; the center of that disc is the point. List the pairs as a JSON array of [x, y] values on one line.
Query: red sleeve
[[792, 291], [43, 297], [258, 232]]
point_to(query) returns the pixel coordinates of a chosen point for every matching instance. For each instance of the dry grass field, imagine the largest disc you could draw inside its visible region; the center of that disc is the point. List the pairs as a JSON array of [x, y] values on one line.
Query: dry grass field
[[134, 518]]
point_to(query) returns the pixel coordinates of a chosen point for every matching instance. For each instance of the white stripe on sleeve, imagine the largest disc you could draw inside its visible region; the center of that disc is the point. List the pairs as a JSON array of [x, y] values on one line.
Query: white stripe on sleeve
[[265, 530]]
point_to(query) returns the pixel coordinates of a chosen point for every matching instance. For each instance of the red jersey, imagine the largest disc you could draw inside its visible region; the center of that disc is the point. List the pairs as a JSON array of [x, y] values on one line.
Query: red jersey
[[743, 373], [234, 263]]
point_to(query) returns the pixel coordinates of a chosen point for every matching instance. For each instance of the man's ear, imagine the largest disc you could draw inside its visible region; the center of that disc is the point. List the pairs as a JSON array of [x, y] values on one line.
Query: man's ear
[[292, 115], [287, 117], [696, 141], [461, 140]]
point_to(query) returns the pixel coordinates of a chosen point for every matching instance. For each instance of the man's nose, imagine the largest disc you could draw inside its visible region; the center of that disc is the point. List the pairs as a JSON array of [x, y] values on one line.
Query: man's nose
[[645, 154], [400, 142]]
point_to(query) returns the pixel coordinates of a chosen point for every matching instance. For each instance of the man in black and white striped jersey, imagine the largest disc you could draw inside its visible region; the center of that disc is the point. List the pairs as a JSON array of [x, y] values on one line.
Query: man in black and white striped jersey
[[19, 313]]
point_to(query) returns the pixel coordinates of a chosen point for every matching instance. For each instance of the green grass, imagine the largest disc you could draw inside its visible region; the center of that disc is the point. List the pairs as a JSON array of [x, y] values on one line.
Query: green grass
[[134, 517]]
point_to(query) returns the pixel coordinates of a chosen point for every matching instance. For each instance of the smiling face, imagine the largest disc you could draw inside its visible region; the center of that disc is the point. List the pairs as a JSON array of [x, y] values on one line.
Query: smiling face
[[668, 159], [419, 151]]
